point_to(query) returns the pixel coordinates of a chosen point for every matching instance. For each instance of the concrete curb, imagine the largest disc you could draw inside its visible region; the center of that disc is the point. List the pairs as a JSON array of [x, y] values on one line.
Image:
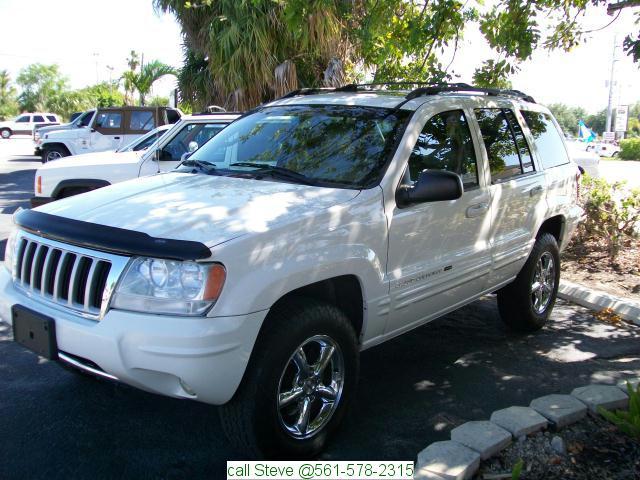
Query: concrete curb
[[597, 300], [459, 458]]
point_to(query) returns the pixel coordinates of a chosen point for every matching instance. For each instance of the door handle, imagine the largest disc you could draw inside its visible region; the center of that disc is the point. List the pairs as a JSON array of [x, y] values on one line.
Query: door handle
[[476, 210], [116, 138], [535, 190]]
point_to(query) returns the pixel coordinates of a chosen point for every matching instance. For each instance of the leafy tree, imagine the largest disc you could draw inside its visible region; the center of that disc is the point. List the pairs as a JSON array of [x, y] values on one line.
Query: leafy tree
[[8, 97], [39, 84], [158, 101], [246, 51], [597, 121]]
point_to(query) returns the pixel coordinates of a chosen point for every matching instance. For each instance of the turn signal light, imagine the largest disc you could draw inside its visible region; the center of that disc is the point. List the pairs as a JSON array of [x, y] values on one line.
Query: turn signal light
[[39, 184]]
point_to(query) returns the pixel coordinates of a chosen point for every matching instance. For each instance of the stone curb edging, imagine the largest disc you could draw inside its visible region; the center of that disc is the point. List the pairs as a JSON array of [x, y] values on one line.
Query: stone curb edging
[[597, 300], [459, 458]]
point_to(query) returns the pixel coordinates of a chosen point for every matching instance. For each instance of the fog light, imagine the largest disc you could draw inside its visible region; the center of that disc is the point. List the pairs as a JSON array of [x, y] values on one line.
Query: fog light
[[187, 388]]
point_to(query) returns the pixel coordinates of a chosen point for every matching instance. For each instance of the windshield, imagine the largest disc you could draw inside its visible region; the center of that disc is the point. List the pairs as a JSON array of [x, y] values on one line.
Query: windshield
[[334, 145]]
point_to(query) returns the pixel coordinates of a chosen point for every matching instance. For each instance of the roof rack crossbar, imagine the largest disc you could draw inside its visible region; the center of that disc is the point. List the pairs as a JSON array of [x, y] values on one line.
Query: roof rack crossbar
[[426, 88], [463, 87]]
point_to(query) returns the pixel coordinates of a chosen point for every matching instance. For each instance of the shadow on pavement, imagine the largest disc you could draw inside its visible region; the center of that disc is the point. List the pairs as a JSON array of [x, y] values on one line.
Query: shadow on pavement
[[412, 391], [16, 188]]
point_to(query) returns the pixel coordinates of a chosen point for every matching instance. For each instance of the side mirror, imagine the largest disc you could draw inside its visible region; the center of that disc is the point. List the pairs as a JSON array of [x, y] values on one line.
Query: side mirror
[[432, 186], [193, 146]]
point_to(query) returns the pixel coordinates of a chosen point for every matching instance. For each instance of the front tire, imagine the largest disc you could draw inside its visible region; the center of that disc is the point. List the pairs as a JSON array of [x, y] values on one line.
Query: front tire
[[297, 386], [5, 133], [525, 304], [50, 154]]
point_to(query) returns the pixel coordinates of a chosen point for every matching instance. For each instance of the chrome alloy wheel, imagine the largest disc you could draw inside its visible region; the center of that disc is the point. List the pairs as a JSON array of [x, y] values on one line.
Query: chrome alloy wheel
[[5, 133], [544, 282], [309, 393]]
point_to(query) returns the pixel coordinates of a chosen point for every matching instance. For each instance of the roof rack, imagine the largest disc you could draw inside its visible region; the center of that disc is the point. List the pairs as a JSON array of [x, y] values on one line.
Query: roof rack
[[426, 88]]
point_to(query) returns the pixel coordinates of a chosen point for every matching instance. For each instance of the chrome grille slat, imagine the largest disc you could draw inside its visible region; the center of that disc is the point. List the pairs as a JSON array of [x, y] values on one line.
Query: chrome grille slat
[[46, 271], [73, 281], [90, 289], [62, 264], [70, 277]]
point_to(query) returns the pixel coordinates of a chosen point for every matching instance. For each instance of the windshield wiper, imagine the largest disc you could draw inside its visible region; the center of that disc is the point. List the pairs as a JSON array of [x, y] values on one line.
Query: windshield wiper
[[201, 164], [276, 171]]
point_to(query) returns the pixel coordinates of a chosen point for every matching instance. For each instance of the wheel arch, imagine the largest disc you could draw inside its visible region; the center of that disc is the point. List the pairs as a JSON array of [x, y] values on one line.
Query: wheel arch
[[555, 226], [46, 146], [90, 183], [343, 291]]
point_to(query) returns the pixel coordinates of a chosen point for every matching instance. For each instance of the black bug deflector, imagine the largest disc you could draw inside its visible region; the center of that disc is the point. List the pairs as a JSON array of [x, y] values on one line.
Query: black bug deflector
[[108, 239]]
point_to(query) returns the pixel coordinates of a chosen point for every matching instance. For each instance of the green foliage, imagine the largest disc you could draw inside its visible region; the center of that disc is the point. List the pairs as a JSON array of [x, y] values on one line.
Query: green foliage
[[39, 84], [243, 52], [8, 97], [630, 149], [105, 95], [627, 421], [158, 101], [517, 470], [568, 116], [611, 213], [632, 45], [143, 79]]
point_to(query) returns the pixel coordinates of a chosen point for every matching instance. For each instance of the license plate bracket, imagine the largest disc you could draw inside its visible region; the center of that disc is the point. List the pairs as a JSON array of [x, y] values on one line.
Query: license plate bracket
[[35, 331]]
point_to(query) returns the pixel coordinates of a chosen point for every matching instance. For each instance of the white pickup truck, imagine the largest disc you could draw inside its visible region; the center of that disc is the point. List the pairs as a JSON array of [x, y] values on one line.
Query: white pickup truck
[[103, 129], [314, 227], [146, 155]]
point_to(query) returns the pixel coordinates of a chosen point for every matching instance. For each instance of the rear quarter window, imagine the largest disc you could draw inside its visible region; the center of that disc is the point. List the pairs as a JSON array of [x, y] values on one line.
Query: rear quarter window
[[51, 118], [547, 139]]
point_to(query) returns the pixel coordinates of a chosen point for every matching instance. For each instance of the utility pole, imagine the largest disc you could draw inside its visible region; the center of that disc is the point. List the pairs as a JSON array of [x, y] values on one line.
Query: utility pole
[[611, 83], [96, 55], [110, 68]]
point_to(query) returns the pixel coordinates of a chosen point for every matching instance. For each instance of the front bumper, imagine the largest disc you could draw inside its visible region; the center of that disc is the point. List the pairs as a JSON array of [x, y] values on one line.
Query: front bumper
[[201, 358]]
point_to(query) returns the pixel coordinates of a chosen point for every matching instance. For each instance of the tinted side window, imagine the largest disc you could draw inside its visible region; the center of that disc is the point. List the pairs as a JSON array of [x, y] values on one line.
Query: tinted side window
[[521, 142], [445, 144], [23, 119], [86, 119], [172, 116], [109, 120], [547, 139], [38, 118], [51, 118], [502, 150], [142, 121]]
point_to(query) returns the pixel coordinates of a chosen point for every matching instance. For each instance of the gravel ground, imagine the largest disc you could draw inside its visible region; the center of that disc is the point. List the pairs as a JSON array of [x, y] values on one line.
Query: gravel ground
[[591, 449]]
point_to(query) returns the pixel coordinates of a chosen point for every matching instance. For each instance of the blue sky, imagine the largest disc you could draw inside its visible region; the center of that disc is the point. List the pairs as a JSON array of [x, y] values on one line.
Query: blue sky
[[72, 32]]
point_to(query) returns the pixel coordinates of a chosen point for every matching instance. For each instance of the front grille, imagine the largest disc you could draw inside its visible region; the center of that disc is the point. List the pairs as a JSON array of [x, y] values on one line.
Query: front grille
[[76, 279]]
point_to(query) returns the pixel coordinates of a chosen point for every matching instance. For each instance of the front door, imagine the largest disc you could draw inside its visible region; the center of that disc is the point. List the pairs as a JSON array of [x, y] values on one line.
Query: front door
[[438, 252], [23, 125], [107, 131]]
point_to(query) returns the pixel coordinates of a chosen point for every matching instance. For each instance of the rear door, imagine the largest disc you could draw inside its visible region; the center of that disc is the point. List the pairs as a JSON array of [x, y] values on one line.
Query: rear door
[[517, 191], [551, 153], [108, 131]]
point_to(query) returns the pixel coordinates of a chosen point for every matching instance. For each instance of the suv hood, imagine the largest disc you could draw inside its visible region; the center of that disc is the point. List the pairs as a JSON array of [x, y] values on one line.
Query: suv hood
[[109, 158], [203, 208]]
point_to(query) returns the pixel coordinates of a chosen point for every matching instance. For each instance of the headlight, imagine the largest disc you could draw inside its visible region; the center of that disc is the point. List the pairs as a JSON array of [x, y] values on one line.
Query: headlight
[[9, 252], [168, 286]]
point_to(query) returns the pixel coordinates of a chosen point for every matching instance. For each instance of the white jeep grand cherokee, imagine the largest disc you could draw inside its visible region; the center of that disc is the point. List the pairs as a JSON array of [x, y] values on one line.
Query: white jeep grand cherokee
[[310, 229]]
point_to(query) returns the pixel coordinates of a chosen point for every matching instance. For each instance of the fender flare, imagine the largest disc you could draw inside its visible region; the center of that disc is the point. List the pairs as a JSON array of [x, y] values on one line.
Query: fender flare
[[91, 183]]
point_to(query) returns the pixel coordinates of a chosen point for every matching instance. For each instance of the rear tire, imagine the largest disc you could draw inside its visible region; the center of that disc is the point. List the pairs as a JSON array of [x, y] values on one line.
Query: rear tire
[[71, 191], [265, 418], [5, 133], [525, 304], [55, 152]]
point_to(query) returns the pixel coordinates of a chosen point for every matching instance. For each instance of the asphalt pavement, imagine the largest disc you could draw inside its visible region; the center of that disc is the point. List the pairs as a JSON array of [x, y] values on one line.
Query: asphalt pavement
[[56, 424]]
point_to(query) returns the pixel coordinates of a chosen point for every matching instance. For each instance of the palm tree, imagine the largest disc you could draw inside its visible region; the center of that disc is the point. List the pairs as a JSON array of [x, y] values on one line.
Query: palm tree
[[258, 49], [144, 79]]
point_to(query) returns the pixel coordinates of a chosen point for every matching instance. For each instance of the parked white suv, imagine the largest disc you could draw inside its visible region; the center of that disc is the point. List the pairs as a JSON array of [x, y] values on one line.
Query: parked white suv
[[25, 124], [312, 228], [144, 156]]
